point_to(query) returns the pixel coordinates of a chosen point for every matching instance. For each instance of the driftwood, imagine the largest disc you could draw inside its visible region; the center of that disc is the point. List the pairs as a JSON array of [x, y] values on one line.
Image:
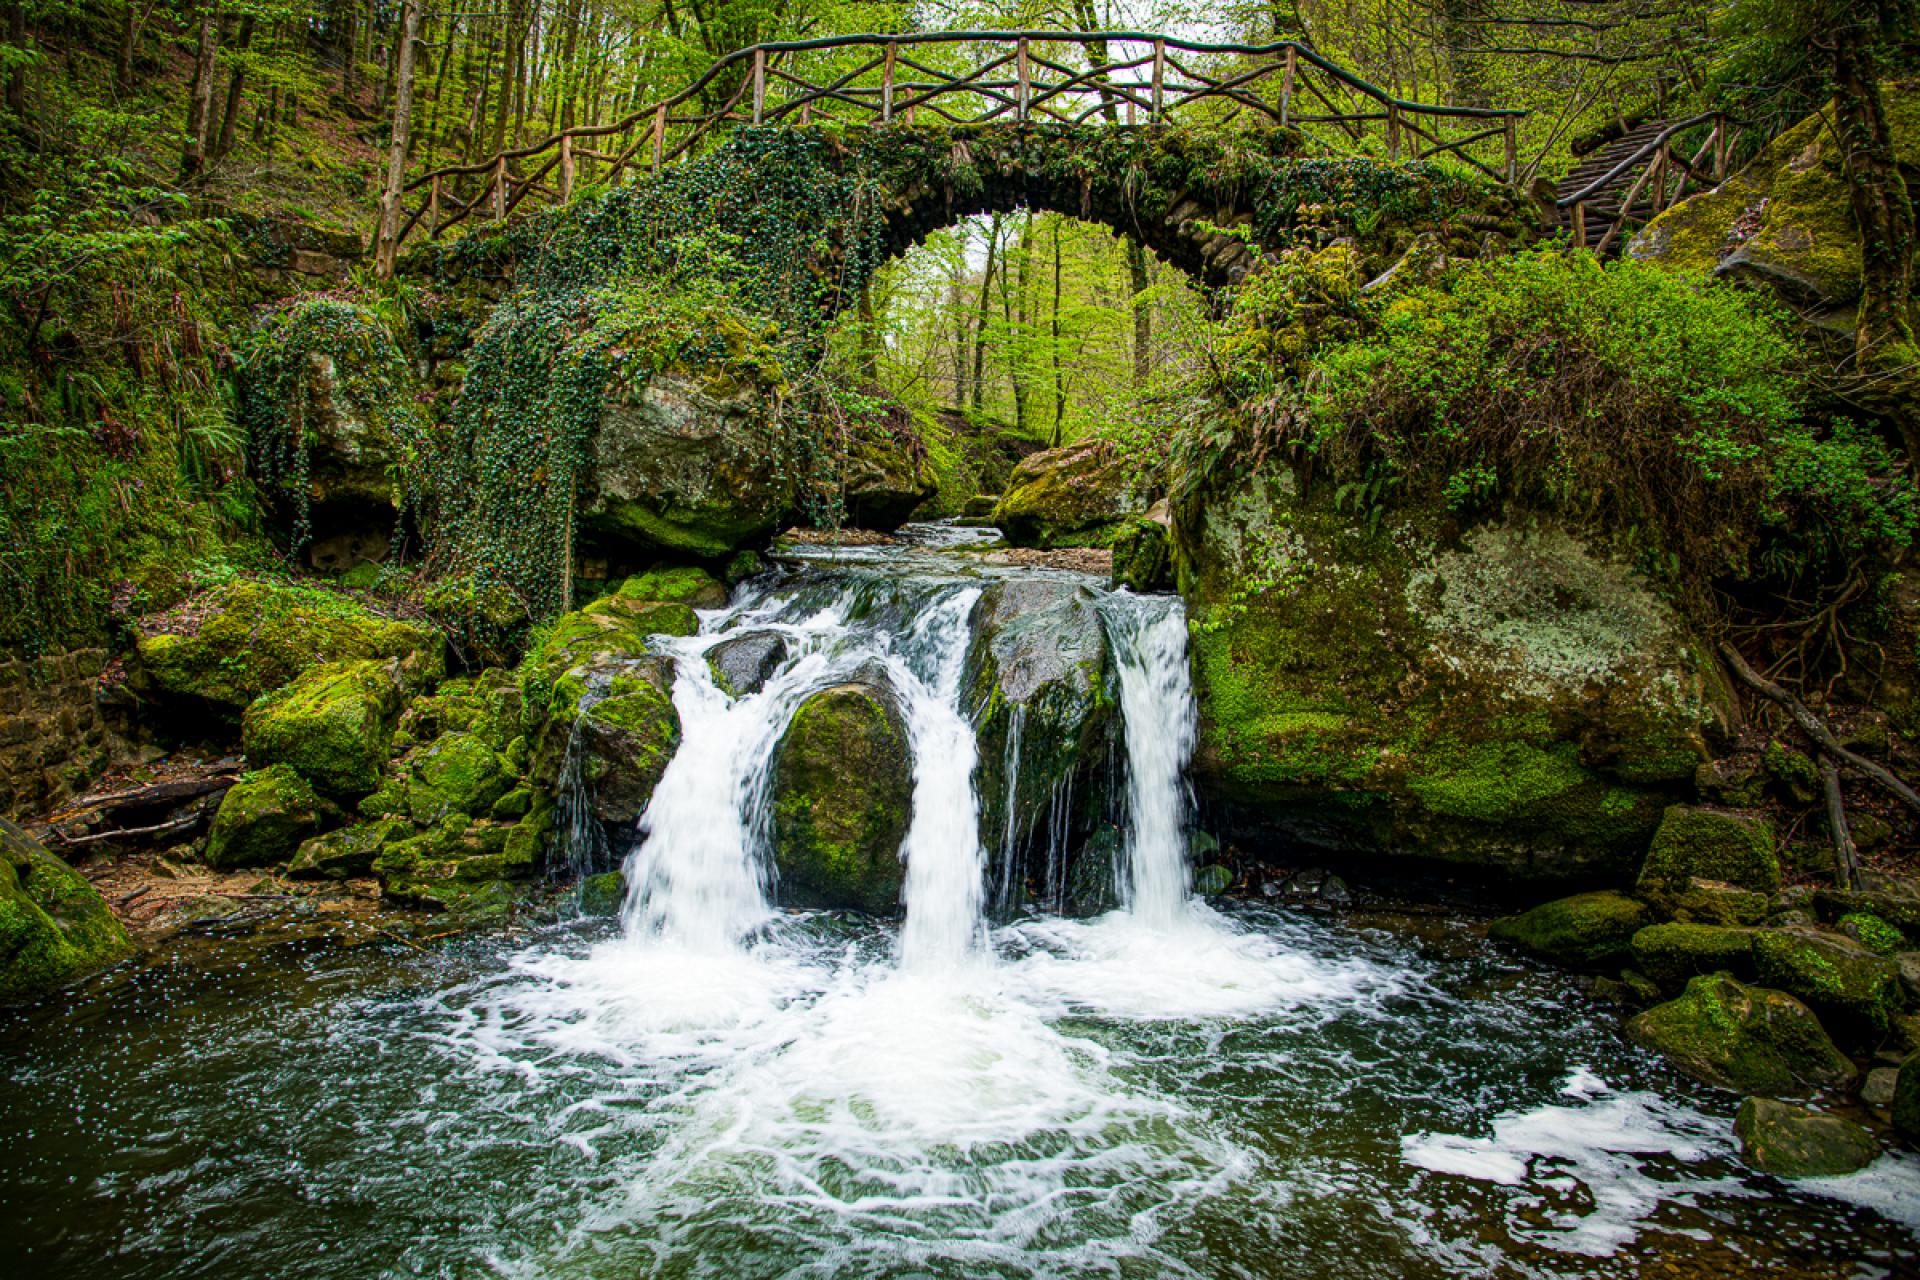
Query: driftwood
[[1812, 726], [193, 819], [1837, 823]]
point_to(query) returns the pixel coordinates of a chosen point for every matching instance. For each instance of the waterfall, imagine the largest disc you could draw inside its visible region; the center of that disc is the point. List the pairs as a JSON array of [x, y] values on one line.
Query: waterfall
[[1156, 702]]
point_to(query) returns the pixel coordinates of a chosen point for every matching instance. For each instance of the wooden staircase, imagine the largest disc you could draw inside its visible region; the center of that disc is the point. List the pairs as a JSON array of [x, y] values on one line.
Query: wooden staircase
[[1630, 181]]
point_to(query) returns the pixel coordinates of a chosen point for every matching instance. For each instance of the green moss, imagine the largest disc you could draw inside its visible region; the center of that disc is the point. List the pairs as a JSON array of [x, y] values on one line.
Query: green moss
[[246, 638], [1872, 932], [1750, 1039], [688, 586], [54, 926], [1674, 954], [346, 853], [264, 818], [334, 724], [455, 864], [1495, 781], [1795, 1142], [1712, 844], [457, 774], [1588, 930], [1856, 990], [842, 796]]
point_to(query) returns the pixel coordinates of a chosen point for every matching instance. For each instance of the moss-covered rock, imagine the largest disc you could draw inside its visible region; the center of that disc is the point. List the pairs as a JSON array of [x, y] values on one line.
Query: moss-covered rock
[[603, 895], [55, 928], [1040, 686], [1748, 1039], [612, 628], [346, 853], [333, 723], [743, 664], [1142, 556], [264, 818], [456, 774], [688, 467], [686, 585], [235, 642], [1698, 901], [1855, 990], [884, 475], [1906, 1100], [1674, 954], [1078, 496], [842, 799], [461, 864], [1871, 932], [1791, 1141], [1895, 906], [1588, 930], [1509, 699], [616, 720], [1711, 844]]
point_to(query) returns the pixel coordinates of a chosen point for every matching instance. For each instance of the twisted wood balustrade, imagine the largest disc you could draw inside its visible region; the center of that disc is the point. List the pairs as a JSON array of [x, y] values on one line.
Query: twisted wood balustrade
[[1130, 78]]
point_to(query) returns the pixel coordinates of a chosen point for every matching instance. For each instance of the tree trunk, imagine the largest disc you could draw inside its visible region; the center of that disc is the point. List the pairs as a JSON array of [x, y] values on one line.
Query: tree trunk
[[981, 313], [193, 153], [17, 78], [230, 117], [389, 244], [1059, 374], [1021, 338], [1142, 314], [129, 39]]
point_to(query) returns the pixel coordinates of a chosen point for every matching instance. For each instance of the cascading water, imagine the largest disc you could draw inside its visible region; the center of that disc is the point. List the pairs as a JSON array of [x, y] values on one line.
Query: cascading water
[[1156, 703]]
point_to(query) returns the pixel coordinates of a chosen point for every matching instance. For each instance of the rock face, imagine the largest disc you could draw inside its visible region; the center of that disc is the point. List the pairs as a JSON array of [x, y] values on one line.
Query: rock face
[[1078, 496], [1142, 556], [884, 476], [1749, 1039], [616, 717], [842, 799], [333, 724], [1798, 1142], [744, 664], [243, 639], [54, 926], [1041, 689], [684, 467], [264, 818], [1711, 844], [1588, 930], [1508, 699]]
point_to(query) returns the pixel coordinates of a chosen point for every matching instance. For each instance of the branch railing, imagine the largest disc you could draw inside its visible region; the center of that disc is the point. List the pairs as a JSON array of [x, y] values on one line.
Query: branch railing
[[1129, 78], [1664, 179]]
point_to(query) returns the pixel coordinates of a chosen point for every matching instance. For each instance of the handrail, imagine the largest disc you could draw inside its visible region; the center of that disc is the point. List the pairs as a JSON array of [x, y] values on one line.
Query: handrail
[[1641, 153], [1006, 98]]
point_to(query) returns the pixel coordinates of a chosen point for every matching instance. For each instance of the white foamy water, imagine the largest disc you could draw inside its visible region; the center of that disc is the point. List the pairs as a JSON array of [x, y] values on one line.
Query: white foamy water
[[1156, 702]]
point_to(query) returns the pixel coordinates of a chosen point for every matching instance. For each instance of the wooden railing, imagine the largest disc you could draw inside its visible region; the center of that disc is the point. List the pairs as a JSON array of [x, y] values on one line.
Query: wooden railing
[[1653, 176], [1129, 78]]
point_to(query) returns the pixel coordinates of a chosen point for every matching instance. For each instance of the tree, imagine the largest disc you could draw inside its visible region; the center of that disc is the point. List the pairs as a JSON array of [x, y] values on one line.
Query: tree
[[390, 210]]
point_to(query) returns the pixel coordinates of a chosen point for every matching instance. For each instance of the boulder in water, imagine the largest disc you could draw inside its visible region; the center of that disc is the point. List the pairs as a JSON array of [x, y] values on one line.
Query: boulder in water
[[616, 717], [1855, 990], [346, 853], [1588, 930], [1749, 1039], [1040, 687], [1674, 954], [1078, 496], [1792, 1141], [744, 663], [54, 926], [842, 799], [686, 467]]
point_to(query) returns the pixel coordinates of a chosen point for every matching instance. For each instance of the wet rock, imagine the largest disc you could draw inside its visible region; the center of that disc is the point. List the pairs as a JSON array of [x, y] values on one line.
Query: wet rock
[[685, 467], [264, 818], [333, 724], [240, 640], [1855, 990], [347, 853], [1711, 844], [884, 476], [1039, 685], [1697, 901], [1906, 1100], [1791, 1141], [743, 664], [842, 799], [1877, 1090], [1142, 552], [1212, 881], [1077, 496], [1749, 1039], [603, 895], [1588, 930], [457, 774], [55, 928], [689, 586], [616, 716], [1093, 886], [462, 864], [1673, 954]]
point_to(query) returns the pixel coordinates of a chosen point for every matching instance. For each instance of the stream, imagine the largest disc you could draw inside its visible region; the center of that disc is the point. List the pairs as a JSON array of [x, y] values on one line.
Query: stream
[[714, 1085]]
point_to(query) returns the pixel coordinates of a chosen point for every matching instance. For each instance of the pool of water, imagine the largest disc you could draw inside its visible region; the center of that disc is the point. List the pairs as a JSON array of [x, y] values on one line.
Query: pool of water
[[1254, 1093]]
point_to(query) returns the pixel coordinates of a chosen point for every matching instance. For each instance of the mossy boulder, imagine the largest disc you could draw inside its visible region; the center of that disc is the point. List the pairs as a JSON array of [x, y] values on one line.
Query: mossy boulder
[[457, 773], [1078, 496], [1674, 954], [1041, 689], [1711, 844], [612, 628], [231, 644], [1906, 1100], [264, 818], [55, 928], [460, 864], [346, 853], [688, 467], [617, 720], [884, 475], [1588, 930], [333, 723], [603, 895], [842, 799], [686, 585], [1509, 699], [1749, 1039], [1895, 905], [1142, 555], [1698, 901], [1854, 989], [1792, 1141], [743, 664]]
